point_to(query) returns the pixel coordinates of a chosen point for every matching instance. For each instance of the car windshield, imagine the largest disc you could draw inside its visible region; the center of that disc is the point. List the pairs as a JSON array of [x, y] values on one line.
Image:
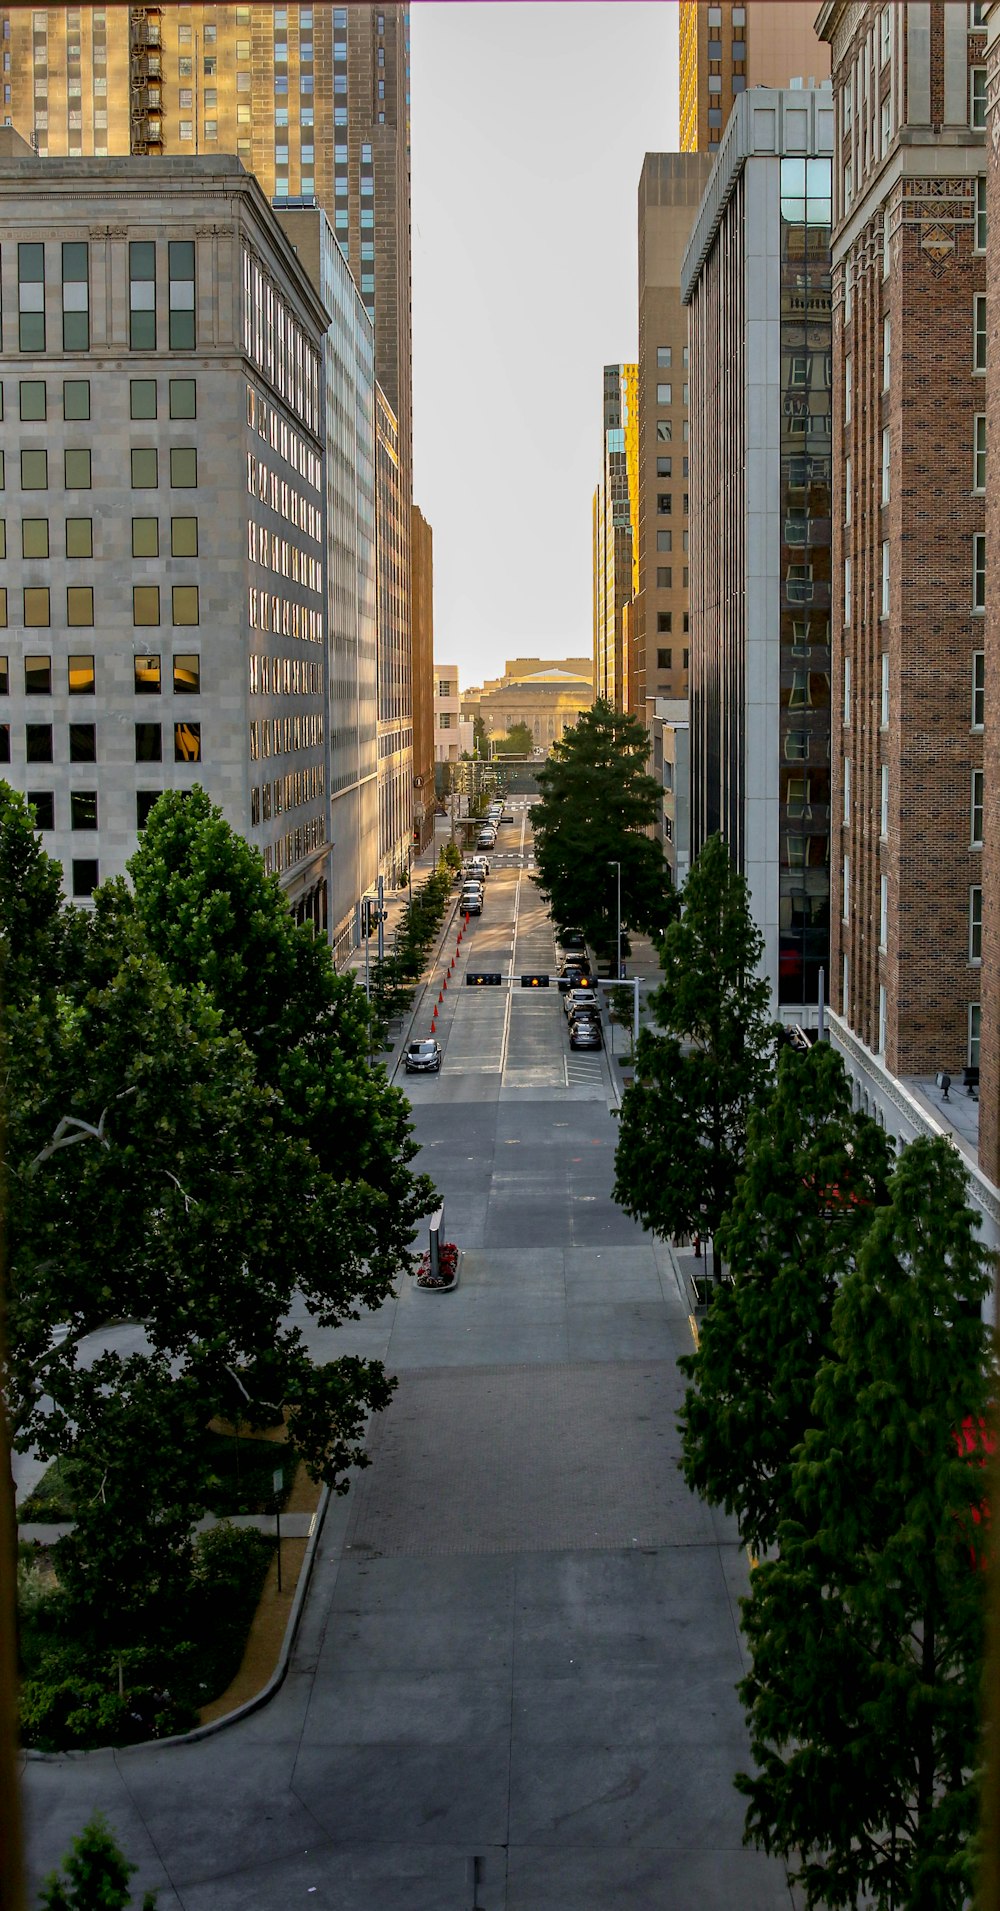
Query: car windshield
[[422, 1048]]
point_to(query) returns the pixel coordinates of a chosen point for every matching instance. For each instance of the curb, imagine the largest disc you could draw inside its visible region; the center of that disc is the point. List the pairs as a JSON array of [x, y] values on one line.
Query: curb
[[261, 1698]]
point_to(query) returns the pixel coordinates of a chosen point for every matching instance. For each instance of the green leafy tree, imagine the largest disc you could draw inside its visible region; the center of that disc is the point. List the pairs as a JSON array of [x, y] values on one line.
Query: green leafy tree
[[192, 1154], [596, 804], [866, 1635], [683, 1125], [479, 737], [517, 742], [97, 1875], [812, 1179]]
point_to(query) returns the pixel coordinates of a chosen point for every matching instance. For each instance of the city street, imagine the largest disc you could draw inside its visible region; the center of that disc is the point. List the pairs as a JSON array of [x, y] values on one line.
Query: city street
[[514, 1683]]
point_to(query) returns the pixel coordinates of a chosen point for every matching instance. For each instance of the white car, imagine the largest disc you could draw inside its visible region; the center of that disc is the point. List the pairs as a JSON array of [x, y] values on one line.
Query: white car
[[580, 998], [477, 866]]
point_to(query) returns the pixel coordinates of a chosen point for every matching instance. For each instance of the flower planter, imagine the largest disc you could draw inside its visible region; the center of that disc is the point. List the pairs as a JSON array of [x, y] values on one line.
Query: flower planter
[[446, 1277]]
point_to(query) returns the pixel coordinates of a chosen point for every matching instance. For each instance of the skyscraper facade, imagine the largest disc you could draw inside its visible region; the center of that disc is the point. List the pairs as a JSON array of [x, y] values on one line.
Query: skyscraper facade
[[613, 563], [725, 49], [756, 277], [315, 102]]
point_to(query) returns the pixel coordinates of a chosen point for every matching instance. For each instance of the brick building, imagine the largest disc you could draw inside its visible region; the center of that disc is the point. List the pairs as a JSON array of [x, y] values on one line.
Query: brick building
[[909, 557]]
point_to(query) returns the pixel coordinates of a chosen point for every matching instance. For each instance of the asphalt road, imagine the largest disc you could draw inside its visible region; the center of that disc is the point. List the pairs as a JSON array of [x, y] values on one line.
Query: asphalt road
[[514, 1683]]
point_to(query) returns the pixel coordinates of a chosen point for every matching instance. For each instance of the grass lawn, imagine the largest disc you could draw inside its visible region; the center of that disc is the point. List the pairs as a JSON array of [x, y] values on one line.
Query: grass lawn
[[242, 1472]]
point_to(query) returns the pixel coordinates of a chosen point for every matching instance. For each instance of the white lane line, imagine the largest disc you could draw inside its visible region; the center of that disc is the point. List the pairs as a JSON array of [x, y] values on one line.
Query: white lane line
[[513, 948]]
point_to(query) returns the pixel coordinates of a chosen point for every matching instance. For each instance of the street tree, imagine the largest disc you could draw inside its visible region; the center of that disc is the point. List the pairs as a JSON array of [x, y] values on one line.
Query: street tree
[[866, 1634], [597, 802], [813, 1176], [682, 1134], [161, 1171], [97, 1875]]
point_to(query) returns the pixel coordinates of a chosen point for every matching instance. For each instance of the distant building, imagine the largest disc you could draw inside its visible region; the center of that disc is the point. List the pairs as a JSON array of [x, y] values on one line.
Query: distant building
[[726, 49], [757, 282], [614, 512], [422, 621], [165, 580], [453, 733], [549, 700], [394, 650]]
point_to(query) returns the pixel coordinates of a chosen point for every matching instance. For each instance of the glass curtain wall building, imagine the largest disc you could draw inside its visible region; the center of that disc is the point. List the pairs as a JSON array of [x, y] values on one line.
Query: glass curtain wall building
[[756, 280], [806, 454]]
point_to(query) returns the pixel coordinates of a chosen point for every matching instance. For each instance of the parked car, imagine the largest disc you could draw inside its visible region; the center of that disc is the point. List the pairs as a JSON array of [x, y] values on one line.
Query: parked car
[[423, 1058], [585, 1032], [486, 839], [574, 975], [578, 998], [477, 866], [471, 902], [571, 939]]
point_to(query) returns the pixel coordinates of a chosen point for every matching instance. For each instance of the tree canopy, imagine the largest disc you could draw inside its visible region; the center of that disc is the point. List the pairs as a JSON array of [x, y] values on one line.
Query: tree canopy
[[866, 1635], [683, 1123], [811, 1181], [195, 1144], [597, 801]]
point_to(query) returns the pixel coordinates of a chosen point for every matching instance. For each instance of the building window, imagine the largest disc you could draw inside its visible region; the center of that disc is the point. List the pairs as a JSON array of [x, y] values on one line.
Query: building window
[[76, 470], [36, 608], [664, 620], [664, 660], [76, 296], [145, 604], [883, 913], [978, 689], [664, 577], [180, 266], [79, 605], [83, 809], [881, 1018], [975, 923], [146, 676], [142, 397], [144, 801], [885, 465], [38, 742], [183, 467], [76, 399], [34, 537], [885, 578], [884, 701], [43, 803], [663, 394], [847, 789], [847, 693], [847, 590], [979, 452], [37, 676], [187, 742], [663, 358], [34, 471], [80, 679], [972, 1050], [886, 353], [664, 540], [977, 98], [979, 332], [976, 838], [183, 398], [845, 899], [83, 743], [183, 537], [979, 571], [31, 296], [145, 471], [31, 399], [664, 431], [145, 537], [187, 673], [664, 467], [142, 295], [664, 503], [981, 212], [848, 387], [148, 743], [85, 875], [184, 603]]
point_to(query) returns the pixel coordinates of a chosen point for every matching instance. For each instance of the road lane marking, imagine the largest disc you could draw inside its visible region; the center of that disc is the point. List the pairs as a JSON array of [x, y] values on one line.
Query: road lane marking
[[513, 947]]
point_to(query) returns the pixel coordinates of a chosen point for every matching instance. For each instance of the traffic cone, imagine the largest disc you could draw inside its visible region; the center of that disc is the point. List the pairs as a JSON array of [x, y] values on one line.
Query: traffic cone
[[440, 995]]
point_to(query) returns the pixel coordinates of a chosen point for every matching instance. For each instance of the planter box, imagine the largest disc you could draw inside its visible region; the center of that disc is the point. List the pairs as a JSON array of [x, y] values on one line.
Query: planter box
[[447, 1287]]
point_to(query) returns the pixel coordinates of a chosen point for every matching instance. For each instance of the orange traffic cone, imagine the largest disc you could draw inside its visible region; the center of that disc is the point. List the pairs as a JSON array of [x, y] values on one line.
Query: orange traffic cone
[[440, 995]]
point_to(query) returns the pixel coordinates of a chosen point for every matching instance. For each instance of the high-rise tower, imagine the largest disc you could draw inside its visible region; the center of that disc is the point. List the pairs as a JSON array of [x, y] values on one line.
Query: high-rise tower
[[725, 49]]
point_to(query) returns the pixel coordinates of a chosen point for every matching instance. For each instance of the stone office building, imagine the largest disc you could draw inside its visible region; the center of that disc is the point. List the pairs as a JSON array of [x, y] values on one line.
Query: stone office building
[[163, 535]]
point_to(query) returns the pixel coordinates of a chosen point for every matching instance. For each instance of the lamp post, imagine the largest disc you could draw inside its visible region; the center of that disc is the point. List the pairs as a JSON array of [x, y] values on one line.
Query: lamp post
[[618, 884]]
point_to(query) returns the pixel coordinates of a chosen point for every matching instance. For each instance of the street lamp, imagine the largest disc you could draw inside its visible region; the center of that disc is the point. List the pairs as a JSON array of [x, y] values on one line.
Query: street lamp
[[617, 866]]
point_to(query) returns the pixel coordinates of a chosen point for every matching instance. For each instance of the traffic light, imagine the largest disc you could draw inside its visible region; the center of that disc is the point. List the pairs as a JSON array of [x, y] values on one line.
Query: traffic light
[[534, 981]]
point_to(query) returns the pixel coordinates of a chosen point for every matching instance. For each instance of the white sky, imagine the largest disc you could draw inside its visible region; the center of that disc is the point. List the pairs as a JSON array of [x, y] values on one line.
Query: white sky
[[529, 121]]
